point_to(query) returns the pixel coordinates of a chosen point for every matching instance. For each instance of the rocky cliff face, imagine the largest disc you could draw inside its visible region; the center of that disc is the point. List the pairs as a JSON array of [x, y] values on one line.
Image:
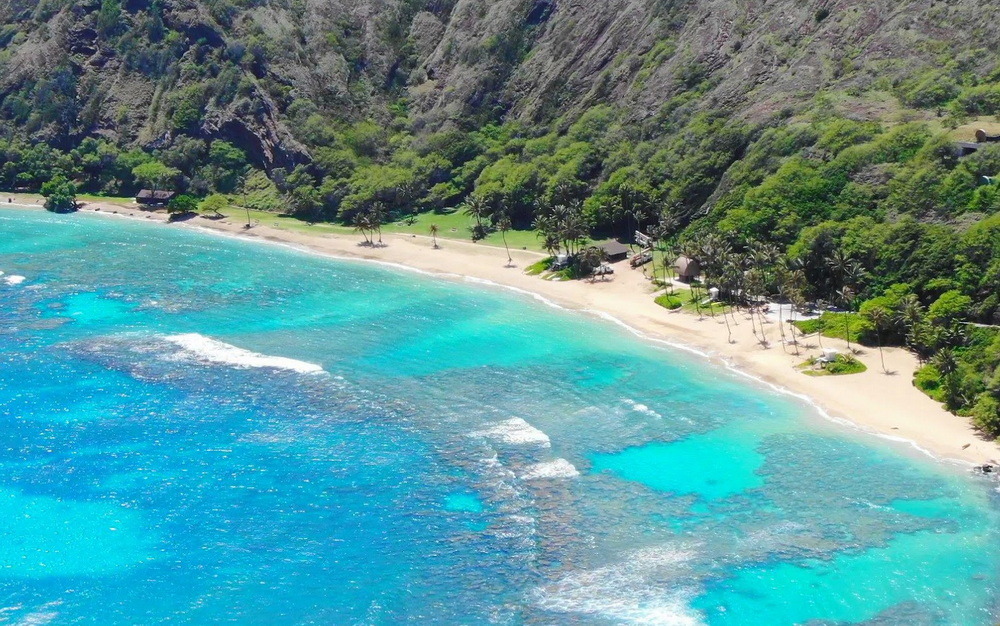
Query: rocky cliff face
[[123, 70], [750, 56]]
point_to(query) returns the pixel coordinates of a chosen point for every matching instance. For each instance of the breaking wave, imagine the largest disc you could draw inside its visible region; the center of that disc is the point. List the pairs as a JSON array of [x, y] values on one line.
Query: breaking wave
[[212, 351], [559, 468], [515, 431], [642, 589]]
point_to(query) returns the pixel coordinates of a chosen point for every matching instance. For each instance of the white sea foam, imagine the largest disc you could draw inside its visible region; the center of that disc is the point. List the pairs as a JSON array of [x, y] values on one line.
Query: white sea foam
[[213, 351], [559, 468], [515, 431], [642, 589], [13, 279], [641, 408]]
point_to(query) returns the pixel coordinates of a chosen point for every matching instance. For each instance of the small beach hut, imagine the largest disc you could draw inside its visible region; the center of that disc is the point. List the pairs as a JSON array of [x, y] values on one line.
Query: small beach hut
[[614, 250], [687, 269], [829, 355]]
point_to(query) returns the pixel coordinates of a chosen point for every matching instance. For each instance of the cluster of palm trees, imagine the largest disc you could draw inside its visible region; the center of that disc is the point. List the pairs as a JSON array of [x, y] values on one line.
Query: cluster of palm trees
[[746, 277], [369, 222], [564, 228], [487, 221], [850, 276]]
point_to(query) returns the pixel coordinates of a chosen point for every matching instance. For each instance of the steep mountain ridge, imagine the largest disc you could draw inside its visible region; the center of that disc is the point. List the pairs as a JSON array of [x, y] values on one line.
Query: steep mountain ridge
[[464, 63]]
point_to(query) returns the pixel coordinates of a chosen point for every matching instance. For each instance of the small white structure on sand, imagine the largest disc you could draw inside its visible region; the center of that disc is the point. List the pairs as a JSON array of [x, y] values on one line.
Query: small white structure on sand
[[829, 355]]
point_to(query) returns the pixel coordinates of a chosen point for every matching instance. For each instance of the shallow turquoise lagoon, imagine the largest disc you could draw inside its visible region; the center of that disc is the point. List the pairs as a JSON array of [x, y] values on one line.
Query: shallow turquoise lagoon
[[196, 430]]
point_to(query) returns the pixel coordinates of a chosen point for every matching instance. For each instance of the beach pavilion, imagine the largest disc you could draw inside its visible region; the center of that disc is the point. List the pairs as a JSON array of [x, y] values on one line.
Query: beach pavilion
[[614, 250]]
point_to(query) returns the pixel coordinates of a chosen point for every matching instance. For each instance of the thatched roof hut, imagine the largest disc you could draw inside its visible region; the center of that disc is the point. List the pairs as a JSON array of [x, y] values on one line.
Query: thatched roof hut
[[687, 268]]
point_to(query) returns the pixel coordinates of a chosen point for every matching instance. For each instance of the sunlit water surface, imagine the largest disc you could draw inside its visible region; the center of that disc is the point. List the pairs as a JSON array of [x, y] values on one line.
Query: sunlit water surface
[[196, 429]]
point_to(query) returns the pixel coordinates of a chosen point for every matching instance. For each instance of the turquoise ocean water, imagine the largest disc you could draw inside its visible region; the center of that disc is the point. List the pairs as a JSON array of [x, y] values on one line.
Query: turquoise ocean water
[[196, 429]]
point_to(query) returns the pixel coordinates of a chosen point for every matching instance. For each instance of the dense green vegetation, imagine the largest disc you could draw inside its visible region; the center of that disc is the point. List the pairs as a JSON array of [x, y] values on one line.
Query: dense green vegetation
[[811, 203]]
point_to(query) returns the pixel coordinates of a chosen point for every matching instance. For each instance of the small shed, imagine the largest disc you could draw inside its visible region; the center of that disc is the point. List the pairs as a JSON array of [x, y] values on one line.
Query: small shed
[[614, 250], [149, 197], [687, 269]]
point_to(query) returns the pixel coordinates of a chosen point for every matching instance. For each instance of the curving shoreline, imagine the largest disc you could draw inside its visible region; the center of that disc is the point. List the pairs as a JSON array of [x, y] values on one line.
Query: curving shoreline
[[888, 406]]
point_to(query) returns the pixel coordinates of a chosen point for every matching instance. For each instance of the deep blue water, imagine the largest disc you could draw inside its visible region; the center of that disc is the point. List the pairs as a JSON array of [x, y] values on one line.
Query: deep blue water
[[195, 429]]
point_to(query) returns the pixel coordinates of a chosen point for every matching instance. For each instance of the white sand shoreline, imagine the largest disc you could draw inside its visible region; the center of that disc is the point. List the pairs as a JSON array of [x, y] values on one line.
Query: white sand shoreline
[[886, 406]]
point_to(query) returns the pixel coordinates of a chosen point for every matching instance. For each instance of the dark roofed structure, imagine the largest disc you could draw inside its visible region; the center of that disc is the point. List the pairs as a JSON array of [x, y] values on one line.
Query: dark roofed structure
[[615, 250], [149, 197], [965, 148]]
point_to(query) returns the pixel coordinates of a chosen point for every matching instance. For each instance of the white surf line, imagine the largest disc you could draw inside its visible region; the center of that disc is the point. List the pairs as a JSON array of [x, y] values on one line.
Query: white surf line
[[712, 358], [805, 398]]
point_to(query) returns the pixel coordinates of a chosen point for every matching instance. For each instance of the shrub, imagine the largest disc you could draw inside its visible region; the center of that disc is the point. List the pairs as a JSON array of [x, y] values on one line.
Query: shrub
[[845, 364], [928, 380], [60, 195], [183, 203], [668, 301], [986, 414]]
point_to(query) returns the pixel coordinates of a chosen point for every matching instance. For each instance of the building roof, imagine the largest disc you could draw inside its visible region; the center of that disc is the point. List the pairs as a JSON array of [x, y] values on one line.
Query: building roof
[[686, 266], [147, 194], [613, 248]]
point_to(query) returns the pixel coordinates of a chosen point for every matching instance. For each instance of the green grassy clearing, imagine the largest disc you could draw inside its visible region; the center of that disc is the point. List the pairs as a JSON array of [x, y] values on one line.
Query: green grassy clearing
[[451, 225], [834, 325], [844, 365]]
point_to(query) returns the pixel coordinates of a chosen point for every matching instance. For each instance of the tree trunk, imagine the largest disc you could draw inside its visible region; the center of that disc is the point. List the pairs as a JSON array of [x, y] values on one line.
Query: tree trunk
[[728, 328], [878, 337]]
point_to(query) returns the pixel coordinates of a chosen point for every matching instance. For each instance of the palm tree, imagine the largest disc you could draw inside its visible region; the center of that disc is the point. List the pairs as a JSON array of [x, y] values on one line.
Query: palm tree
[[730, 280], [839, 262], [377, 213], [477, 207], [692, 250], [879, 319], [503, 225], [668, 271], [755, 285], [572, 228], [911, 314], [725, 274], [946, 363], [363, 224], [434, 233], [781, 280], [795, 285], [846, 295], [547, 228], [591, 258]]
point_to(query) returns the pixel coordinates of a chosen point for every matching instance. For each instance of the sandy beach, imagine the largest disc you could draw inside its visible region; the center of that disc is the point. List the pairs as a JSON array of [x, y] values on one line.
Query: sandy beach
[[883, 404]]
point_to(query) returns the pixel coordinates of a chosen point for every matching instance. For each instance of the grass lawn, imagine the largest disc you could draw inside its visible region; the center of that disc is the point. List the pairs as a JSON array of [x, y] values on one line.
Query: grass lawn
[[669, 302], [833, 325], [451, 225], [455, 225], [86, 197]]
